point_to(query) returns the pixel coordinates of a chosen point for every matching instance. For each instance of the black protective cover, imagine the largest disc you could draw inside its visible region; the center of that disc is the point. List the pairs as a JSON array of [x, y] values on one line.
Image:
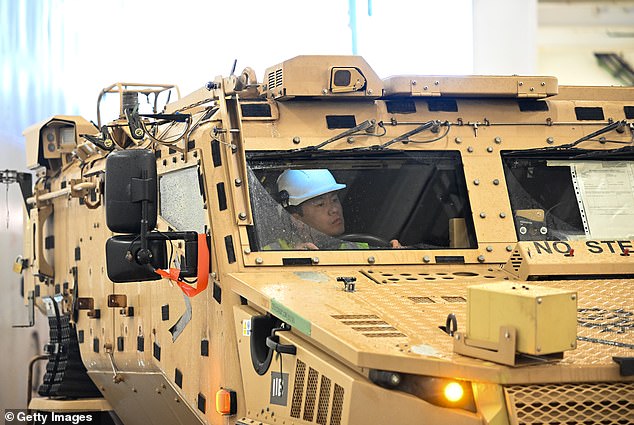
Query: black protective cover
[[130, 179], [121, 270]]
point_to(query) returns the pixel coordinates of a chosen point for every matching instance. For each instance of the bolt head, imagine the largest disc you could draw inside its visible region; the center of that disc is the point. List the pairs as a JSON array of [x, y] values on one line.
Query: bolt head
[[259, 260]]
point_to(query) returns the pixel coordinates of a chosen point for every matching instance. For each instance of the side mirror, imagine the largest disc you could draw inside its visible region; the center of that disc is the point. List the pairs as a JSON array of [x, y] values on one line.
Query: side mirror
[[121, 251], [131, 183]]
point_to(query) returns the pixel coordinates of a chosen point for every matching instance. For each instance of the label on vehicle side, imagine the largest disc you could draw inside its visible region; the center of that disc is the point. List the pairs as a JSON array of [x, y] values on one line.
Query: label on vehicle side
[[289, 316]]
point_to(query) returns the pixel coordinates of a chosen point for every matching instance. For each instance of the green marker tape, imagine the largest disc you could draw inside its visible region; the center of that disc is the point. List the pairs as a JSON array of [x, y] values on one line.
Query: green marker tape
[[289, 316]]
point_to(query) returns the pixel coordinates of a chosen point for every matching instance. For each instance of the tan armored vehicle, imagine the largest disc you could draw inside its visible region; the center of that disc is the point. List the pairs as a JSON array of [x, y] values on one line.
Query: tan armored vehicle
[[326, 247]]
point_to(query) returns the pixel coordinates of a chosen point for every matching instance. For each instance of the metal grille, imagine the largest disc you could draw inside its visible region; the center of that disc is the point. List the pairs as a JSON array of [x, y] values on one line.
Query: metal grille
[[324, 399], [385, 335], [594, 403], [298, 388], [278, 77], [271, 80], [311, 395], [422, 300], [337, 405], [516, 260], [354, 316], [275, 78]]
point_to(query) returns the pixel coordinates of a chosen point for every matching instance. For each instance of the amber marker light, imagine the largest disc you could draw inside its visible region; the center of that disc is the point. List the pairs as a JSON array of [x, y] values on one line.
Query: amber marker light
[[453, 392], [226, 402]]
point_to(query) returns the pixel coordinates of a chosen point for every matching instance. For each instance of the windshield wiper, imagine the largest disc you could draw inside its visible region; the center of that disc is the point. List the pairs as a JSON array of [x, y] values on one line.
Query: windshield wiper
[[365, 125], [405, 136], [613, 126], [624, 151]]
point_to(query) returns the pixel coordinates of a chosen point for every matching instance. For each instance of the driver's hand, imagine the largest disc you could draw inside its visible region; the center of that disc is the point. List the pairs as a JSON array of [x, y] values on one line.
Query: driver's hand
[[306, 246], [394, 243]]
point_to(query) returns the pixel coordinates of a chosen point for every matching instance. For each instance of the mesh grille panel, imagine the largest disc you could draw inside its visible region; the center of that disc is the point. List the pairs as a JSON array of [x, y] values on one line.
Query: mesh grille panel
[[324, 398], [337, 405], [311, 394], [298, 388], [595, 403]]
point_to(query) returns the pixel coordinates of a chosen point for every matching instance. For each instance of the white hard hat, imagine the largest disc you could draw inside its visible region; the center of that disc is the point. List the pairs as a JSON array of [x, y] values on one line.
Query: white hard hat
[[302, 185]]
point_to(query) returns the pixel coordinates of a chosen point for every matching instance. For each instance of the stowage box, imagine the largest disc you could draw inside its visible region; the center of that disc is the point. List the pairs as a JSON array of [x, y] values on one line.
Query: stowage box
[[545, 318]]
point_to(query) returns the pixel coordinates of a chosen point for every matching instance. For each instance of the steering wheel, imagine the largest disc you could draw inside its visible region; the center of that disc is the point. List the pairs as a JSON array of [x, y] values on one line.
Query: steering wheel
[[372, 240]]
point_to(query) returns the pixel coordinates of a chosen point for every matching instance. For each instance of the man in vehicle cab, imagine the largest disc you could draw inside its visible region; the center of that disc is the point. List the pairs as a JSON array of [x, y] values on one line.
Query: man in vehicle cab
[[311, 197]]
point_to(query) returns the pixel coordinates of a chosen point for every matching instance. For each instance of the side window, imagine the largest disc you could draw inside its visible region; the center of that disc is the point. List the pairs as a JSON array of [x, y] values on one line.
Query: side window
[[360, 201], [181, 201]]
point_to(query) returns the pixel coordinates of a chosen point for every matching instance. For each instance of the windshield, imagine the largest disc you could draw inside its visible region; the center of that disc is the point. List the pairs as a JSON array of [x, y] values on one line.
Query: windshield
[[566, 199], [359, 200]]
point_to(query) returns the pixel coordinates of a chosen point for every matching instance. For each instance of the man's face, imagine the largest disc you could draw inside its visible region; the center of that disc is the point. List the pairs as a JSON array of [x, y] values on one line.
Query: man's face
[[323, 213]]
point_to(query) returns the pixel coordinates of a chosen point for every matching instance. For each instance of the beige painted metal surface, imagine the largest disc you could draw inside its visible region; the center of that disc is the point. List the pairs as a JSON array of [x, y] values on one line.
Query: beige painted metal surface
[[378, 353]]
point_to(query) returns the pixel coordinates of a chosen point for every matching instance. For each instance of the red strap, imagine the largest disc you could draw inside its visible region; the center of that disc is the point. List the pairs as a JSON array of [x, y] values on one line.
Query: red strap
[[203, 270]]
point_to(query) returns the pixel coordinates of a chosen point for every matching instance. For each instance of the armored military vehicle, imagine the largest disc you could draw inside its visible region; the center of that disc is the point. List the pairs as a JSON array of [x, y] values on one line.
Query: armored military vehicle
[[474, 265]]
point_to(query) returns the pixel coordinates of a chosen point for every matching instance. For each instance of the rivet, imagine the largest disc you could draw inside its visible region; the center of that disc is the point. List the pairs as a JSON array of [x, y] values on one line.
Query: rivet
[[489, 149], [425, 88], [521, 83], [539, 300], [498, 140], [259, 260], [502, 215], [133, 389], [538, 349], [315, 260], [234, 148], [496, 182], [371, 260], [369, 91], [483, 215], [470, 149], [476, 182], [489, 248], [247, 251], [324, 91], [481, 258], [507, 335], [350, 139], [532, 88], [573, 345], [573, 297], [457, 337], [436, 83], [213, 275], [296, 140], [242, 216], [238, 182], [543, 84], [413, 82], [458, 140], [550, 140], [509, 248], [426, 259]]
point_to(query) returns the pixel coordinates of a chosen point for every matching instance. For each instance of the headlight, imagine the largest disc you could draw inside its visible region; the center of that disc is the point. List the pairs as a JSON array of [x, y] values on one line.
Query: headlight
[[442, 392]]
